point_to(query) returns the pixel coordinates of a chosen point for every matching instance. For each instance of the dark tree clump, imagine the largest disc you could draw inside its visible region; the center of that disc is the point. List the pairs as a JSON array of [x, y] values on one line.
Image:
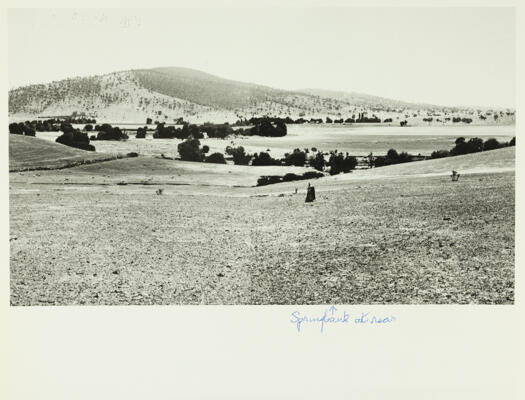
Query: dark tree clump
[[264, 159], [107, 132], [239, 155], [339, 163], [297, 158], [318, 162], [75, 138], [190, 150]]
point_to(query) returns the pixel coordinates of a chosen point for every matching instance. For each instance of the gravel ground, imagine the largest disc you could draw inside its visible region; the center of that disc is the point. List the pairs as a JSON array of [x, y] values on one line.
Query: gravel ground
[[399, 240]]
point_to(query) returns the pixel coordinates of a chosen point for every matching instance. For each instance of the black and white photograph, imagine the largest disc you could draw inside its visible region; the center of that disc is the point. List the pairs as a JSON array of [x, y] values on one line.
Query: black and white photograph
[[279, 156], [252, 200]]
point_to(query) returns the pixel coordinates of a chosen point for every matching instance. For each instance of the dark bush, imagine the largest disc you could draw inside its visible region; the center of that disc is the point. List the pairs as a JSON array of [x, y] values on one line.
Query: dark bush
[[491, 144], [291, 177], [312, 175], [265, 127], [141, 133], [264, 159], [133, 154], [75, 138], [107, 132], [239, 155], [440, 154], [217, 131], [189, 150], [318, 162], [297, 158], [268, 180], [167, 132], [339, 163], [216, 158], [474, 145], [16, 128]]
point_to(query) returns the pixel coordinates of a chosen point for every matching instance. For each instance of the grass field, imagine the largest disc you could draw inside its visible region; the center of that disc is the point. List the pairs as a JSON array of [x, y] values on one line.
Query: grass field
[[32, 153], [403, 234]]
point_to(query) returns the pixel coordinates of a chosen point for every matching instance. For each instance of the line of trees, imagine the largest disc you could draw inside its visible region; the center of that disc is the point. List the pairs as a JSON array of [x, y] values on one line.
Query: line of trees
[[264, 127], [473, 145]]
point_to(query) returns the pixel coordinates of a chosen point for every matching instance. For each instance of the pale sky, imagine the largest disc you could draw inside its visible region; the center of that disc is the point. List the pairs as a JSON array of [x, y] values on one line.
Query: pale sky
[[448, 56]]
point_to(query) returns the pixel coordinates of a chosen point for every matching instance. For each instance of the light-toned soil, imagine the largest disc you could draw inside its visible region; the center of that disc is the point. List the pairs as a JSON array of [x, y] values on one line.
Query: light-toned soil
[[398, 237]]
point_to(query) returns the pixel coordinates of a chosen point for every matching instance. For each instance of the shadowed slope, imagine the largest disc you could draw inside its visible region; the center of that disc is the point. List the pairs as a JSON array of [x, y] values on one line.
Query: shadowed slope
[[27, 152]]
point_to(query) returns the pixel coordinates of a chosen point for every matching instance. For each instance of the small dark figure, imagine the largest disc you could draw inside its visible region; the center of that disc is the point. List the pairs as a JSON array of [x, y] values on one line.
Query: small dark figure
[[310, 194], [454, 176]]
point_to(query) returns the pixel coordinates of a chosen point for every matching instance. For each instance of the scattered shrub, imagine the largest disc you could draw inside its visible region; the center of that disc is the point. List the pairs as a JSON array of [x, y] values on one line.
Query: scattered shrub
[[107, 132], [216, 158], [16, 129], [264, 159], [141, 133], [312, 175], [239, 155], [339, 163], [291, 177], [318, 162], [190, 150], [268, 180], [491, 144], [440, 154], [75, 138], [297, 158]]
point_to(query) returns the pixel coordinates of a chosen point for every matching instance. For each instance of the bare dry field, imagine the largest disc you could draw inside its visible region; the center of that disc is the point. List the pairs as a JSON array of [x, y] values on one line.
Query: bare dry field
[[382, 238]]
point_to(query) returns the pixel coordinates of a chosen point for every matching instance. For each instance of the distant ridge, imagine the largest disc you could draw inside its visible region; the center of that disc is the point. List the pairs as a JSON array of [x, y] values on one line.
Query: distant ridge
[[168, 93]]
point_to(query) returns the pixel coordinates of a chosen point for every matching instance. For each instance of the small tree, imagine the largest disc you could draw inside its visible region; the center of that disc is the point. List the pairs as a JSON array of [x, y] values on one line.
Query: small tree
[[189, 150], [239, 155], [16, 128], [297, 158], [440, 154], [491, 144], [264, 159], [216, 158], [318, 162]]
